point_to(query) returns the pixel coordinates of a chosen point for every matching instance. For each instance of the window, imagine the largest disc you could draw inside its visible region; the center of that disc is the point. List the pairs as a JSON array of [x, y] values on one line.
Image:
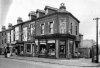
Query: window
[[2, 41], [2, 33], [5, 33], [5, 40], [62, 25], [71, 28], [42, 28], [28, 47], [51, 27], [76, 30]]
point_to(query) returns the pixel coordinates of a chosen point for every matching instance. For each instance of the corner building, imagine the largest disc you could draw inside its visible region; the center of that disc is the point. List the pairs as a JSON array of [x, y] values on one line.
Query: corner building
[[57, 33]]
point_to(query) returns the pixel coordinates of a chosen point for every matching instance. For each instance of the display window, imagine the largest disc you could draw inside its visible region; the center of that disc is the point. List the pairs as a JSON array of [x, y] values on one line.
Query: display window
[[28, 48], [43, 49], [51, 49]]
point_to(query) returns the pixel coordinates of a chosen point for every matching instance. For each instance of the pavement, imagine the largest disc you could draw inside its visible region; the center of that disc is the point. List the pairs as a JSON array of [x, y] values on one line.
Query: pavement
[[80, 62]]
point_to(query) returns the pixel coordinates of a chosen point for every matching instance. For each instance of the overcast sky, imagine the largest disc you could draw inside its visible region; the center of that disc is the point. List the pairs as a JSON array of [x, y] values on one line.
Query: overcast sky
[[84, 10]]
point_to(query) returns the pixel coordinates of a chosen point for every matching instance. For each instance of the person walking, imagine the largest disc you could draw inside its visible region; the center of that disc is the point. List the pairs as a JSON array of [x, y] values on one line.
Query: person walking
[[5, 53]]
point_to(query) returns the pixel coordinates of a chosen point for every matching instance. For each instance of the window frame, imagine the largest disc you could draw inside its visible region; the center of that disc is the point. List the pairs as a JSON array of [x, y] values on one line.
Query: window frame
[[51, 28], [71, 28], [76, 30], [42, 30]]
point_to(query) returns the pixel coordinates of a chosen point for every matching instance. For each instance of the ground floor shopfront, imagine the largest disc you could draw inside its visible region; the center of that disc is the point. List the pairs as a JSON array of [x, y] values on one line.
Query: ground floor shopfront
[[25, 48], [56, 46]]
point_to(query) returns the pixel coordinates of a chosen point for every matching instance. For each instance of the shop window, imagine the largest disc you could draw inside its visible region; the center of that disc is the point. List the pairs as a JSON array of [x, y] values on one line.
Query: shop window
[[28, 47], [42, 49], [51, 49], [42, 28], [22, 49]]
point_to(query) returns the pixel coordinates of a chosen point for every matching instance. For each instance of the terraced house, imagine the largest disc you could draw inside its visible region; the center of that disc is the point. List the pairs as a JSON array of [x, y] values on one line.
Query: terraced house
[[52, 32]]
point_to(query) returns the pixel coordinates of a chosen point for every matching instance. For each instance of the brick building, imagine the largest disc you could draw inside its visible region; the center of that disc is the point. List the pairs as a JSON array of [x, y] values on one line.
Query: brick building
[[56, 32], [2, 38], [51, 32]]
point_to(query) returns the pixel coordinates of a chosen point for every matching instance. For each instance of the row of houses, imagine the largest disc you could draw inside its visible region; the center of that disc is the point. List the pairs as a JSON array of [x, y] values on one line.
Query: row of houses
[[52, 32]]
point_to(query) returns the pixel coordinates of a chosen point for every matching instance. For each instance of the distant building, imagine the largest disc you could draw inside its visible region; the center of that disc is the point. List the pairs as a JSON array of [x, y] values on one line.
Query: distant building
[[88, 43], [86, 48]]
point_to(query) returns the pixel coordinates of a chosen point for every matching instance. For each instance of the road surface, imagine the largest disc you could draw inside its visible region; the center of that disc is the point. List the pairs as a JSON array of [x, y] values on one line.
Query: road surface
[[14, 63]]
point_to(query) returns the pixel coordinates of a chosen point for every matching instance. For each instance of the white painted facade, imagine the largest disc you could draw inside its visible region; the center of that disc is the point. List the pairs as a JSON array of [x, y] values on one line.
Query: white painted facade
[[8, 37], [25, 34], [12, 35], [16, 33]]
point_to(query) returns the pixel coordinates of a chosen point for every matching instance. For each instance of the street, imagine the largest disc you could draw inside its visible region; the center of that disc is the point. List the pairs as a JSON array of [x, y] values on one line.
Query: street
[[14, 63]]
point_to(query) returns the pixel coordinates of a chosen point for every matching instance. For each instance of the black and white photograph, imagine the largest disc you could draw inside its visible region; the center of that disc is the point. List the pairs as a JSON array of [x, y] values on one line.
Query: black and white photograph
[[49, 33]]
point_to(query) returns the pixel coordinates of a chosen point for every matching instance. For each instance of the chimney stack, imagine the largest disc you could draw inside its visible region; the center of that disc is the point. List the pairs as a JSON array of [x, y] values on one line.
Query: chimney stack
[[19, 20], [9, 26], [32, 15], [3, 28]]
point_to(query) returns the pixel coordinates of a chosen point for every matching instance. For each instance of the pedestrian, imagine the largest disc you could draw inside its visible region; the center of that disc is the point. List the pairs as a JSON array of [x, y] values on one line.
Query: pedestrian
[[5, 53], [8, 52]]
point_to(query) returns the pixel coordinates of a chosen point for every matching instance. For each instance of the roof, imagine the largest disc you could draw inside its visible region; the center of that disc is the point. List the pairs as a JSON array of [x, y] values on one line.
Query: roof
[[38, 10]]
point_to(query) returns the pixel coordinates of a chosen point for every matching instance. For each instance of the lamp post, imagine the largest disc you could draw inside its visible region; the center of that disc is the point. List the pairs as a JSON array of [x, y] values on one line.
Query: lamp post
[[97, 49]]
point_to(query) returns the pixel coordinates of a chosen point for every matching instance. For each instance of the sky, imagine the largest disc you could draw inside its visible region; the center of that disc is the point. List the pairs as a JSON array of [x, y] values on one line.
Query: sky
[[84, 10]]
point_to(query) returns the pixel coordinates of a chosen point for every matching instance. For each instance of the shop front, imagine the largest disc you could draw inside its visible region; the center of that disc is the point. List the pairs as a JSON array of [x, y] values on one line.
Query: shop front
[[29, 49], [56, 46]]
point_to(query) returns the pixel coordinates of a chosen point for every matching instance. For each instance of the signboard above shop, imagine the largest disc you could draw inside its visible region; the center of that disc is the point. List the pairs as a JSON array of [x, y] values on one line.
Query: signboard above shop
[[51, 41]]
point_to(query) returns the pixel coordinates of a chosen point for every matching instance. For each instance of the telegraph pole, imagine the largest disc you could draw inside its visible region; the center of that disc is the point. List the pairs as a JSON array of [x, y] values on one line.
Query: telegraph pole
[[97, 49]]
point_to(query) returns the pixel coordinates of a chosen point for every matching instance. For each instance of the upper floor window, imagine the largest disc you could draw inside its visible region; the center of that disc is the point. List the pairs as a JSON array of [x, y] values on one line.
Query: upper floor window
[[2, 33], [5, 33], [62, 25], [25, 32], [2, 41], [42, 28], [76, 30], [5, 40], [71, 26], [51, 27]]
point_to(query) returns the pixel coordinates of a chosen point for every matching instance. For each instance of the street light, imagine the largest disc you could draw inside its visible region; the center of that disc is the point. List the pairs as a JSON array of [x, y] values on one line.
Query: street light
[[97, 49]]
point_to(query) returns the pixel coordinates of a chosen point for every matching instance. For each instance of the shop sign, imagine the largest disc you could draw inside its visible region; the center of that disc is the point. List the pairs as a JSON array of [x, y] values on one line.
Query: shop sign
[[51, 41], [62, 42], [42, 42]]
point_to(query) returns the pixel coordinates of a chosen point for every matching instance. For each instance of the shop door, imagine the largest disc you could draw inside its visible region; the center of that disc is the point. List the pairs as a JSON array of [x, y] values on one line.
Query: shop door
[[71, 44], [33, 50], [62, 49]]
